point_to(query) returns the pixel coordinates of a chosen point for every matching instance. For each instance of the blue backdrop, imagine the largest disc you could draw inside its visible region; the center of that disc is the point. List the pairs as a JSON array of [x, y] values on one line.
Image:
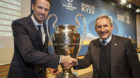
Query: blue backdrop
[[124, 21]]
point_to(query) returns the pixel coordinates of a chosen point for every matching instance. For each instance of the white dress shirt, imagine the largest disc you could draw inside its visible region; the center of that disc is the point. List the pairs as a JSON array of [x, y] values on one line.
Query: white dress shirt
[[42, 28], [106, 40]]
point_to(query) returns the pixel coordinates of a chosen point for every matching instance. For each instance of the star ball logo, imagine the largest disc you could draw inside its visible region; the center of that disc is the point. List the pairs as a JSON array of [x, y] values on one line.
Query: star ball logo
[[69, 5]]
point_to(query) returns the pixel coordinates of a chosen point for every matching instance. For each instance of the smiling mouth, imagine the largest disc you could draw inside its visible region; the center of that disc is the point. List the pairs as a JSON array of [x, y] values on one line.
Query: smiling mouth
[[41, 15], [103, 33]]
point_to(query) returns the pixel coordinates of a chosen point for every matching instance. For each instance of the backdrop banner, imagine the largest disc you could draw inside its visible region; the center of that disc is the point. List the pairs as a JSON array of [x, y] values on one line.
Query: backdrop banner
[[123, 20]]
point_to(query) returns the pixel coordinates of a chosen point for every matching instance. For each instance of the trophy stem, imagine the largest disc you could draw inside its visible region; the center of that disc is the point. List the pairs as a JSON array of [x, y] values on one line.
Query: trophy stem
[[66, 74]]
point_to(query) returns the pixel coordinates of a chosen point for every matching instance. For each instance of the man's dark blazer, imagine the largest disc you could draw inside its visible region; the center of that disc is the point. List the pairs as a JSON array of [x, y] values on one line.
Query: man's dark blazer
[[124, 58], [31, 57]]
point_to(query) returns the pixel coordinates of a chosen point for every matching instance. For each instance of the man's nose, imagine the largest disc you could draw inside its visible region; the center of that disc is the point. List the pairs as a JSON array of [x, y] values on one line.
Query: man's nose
[[42, 11], [102, 28]]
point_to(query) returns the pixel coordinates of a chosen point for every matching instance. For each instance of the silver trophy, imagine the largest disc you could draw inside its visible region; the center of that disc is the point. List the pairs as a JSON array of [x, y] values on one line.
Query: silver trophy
[[66, 41]]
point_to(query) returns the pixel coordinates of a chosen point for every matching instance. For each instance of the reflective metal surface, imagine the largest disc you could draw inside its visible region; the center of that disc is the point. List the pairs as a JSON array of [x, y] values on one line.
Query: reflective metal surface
[[66, 41]]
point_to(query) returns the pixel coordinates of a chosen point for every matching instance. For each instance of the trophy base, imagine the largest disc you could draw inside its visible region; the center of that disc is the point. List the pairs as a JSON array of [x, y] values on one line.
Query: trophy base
[[66, 75]]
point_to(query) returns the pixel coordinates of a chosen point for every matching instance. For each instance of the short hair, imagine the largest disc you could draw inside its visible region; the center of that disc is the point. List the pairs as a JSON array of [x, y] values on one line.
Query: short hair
[[34, 1], [104, 16]]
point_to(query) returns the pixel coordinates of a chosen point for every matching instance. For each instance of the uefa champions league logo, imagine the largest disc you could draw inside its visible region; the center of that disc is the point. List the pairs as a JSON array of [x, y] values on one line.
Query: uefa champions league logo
[[69, 5]]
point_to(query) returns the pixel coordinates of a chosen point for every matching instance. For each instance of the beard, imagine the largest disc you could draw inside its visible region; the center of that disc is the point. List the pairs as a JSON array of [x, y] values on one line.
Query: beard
[[39, 18]]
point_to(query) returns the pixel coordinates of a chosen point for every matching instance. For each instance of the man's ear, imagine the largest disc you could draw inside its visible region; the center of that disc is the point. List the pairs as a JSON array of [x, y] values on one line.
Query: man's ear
[[33, 6], [95, 29], [112, 27]]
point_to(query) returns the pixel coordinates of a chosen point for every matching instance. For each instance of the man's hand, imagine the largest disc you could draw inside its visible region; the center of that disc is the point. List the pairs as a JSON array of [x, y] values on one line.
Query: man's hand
[[68, 61], [53, 71]]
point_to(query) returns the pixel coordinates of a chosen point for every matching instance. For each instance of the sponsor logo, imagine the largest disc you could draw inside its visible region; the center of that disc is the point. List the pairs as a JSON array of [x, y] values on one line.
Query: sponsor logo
[[123, 18], [69, 5], [87, 8]]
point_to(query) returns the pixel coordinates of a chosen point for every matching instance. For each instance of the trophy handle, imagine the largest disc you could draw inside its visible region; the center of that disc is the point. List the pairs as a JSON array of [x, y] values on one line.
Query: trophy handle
[[47, 28], [51, 15], [84, 33]]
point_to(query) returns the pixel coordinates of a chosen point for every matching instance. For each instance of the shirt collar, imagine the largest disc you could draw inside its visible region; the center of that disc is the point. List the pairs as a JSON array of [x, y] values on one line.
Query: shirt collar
[[35, 22], [107, 40]]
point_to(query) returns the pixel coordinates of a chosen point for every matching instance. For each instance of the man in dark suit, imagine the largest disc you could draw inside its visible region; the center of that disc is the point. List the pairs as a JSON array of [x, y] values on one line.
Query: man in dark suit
[[31, 56], [111, 56]]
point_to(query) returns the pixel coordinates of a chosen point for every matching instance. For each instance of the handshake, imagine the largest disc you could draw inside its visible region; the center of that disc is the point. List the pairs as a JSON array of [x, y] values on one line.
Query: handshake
[[66, 63]]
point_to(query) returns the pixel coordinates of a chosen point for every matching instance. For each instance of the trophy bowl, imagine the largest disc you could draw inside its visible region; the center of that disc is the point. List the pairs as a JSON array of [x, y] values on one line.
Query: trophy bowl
[[66, 41]]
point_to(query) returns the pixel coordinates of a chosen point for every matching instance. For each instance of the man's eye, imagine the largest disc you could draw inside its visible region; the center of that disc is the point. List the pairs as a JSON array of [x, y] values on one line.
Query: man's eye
[[39, 7], [47, 10], [99, 26], [105, 25]]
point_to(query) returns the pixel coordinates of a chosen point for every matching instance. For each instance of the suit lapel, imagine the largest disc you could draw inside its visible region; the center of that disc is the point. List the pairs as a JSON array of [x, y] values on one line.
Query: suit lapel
[[45, 29], [46, 35], [97, 52], [33, 30], [32, 24], [114, 49], [114, 44]]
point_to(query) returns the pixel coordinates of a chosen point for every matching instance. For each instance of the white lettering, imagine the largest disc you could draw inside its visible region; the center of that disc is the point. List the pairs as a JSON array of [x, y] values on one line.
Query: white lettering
[[120, 18], [123, 18], [69, 5], [87, 8]]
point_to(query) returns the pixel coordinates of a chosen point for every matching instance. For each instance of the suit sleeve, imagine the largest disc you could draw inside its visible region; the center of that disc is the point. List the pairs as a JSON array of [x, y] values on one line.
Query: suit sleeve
[[24, 45], [85, 62], [133, 61]]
